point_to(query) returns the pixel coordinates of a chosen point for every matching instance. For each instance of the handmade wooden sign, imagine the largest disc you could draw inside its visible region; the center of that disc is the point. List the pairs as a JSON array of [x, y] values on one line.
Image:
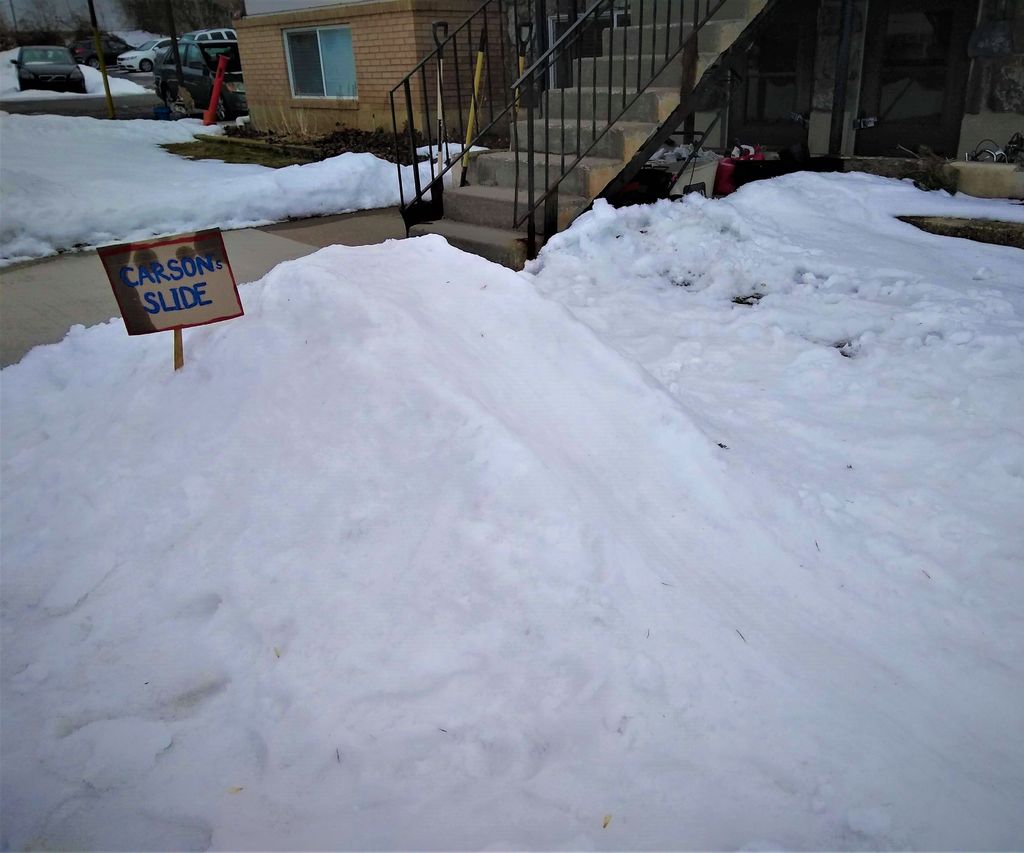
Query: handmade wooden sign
[[172, 283]]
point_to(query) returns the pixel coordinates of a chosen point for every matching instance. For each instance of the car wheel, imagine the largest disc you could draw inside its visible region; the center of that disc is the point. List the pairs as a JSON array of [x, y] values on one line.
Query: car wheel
[[145, 66], [93, 62], [222, 111]]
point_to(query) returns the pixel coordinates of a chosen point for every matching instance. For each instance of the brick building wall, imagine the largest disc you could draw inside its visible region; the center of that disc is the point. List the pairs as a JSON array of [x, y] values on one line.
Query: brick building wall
[[388, 38]]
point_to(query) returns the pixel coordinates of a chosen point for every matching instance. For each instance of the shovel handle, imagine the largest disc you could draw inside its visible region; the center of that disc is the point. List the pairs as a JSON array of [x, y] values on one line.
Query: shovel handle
[[439, 30], [524, 36]]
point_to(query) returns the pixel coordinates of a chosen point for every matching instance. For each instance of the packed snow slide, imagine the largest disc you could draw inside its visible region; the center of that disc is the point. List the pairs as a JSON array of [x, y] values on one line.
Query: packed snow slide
[[425, 554]]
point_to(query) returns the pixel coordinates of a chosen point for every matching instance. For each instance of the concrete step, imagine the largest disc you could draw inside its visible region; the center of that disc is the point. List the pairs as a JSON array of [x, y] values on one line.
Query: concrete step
[[655, 36], [654, 105], [497, 169], [652, 38], [619, 142], [674, 9], [625, 71], [502, 246], [495, 207]]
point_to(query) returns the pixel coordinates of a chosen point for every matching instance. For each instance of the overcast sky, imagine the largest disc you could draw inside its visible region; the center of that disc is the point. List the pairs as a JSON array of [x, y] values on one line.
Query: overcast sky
[[107, 11]]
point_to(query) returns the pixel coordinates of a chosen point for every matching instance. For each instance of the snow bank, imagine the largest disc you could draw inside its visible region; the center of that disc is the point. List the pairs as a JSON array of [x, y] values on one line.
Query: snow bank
[[72, 182], [93, 83], [136, 38], [410, 558]]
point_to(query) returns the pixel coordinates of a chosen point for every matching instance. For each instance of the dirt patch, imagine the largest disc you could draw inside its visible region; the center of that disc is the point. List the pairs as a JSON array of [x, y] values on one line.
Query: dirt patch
[[980, 230], [378, 142], [231, 152]]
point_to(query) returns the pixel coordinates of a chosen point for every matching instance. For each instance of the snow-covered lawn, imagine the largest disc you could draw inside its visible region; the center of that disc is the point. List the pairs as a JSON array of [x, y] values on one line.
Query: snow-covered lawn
[[93, 83], [425, 554], [72, 182]]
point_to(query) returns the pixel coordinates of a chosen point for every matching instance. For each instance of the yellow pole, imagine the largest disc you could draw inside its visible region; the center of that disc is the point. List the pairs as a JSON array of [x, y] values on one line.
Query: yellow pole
[[478, 75], [179, 350], [522, 68]]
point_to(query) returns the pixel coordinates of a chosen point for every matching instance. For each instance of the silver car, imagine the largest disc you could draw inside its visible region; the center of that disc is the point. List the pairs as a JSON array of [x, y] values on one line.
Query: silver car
[[144, 57]]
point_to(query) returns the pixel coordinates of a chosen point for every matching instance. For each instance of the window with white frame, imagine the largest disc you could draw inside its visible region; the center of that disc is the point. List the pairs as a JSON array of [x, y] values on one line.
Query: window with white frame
[[320, 62]]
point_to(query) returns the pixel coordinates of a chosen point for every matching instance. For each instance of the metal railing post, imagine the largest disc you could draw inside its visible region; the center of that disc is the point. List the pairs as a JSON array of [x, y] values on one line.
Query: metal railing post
[[531, 227]]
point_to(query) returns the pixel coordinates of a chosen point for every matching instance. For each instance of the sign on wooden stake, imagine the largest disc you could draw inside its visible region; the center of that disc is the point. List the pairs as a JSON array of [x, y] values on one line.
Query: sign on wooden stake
[[172, 284]]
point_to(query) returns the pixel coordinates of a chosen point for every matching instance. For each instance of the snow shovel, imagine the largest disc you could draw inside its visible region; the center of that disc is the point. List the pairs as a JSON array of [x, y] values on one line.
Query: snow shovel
[[440, 31], [524, 37], [478, 76]]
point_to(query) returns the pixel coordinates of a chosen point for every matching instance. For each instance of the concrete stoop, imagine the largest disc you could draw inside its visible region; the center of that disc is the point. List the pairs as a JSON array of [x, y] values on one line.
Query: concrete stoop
[[480, 217]]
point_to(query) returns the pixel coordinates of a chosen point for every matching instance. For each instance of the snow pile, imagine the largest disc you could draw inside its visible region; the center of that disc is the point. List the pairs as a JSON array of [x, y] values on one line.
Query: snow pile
[[138, 37], [411, 558], [93, 83], [72, 182]]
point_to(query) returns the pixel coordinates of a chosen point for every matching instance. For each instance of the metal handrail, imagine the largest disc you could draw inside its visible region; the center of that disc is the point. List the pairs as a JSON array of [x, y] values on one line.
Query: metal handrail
[[539, 68], [440, 48], [499, 101], [556, 48]]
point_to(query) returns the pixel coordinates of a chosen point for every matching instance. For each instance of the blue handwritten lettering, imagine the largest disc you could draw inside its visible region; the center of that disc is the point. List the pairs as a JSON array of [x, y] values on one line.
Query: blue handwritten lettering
[[123, 273], [200, 289]]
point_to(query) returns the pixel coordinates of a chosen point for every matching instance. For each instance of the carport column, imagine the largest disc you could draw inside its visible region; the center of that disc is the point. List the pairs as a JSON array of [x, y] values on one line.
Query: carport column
[[98, 42], [835, 137]]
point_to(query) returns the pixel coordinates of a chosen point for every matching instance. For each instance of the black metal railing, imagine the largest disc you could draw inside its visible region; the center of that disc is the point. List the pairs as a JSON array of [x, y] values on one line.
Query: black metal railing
[[631, 67], [495, 79], [458, 96]]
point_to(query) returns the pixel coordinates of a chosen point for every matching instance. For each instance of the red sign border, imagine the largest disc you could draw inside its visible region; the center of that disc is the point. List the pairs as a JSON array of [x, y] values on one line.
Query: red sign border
[[206, 233]]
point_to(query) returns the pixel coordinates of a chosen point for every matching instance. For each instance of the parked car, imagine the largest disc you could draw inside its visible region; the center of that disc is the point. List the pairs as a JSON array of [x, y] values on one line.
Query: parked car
[[85, 50], [144, 57], [198, 64], [48, 67], [224, 34]]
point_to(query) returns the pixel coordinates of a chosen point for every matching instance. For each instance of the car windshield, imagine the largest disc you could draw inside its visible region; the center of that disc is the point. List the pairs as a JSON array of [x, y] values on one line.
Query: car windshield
[[212, 51], [46, 56], [146, 45]]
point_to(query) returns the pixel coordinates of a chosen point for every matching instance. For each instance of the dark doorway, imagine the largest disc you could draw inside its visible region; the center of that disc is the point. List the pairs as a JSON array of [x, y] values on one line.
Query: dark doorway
[[915, 76], [772, 99]]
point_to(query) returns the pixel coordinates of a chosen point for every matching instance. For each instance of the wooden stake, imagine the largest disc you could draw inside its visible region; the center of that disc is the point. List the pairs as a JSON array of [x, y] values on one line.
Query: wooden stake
[[179, 350]]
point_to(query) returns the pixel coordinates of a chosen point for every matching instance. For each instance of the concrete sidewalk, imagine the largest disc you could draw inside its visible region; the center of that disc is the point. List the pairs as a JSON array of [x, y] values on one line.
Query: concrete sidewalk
[[41, 300]]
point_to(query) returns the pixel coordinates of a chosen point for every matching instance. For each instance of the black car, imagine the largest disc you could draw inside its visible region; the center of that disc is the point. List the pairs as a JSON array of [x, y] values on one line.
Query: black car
[[47, 66], [198, 65], [113, 47]]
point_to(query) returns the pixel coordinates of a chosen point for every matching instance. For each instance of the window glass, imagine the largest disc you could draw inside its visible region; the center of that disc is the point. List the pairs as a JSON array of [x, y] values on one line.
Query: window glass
[[192, 58], [45, 56], [339, 65], [321, 62], [211, 52], [772, 72], [304, 59], [914, 64]]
